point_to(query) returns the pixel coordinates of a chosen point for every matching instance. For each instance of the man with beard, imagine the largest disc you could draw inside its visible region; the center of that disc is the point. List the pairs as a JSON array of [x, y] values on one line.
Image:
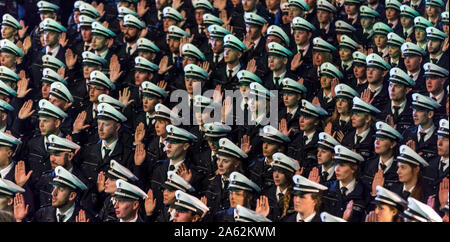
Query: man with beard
[[436, 39], [127, 52]]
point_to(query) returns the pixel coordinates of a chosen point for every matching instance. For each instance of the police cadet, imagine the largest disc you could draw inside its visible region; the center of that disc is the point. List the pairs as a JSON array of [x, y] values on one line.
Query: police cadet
[[435, 43], [395, 42], [307, 200], [128, 201], [229, 159], [422, 135], [376, 91], [81, 34], [420, 33], [10, 28], [299, 8], [293, 92], [226, 75], [398, 110], [6, 92], [102, 38], [435, 79], [253, 38], [9, 77], [48, 77], [383, 165], [279, 194], [196, 81], [324, 171], [433, 10], [323, 20], [278, 59], [359, 71], [178, 159], [8, 147], [305, 140], [201, 7], [363, 120], [191, 55], [133, 29], [106, 187], [11, 55], [111, 145], [65, 205], [380, 32], [144, 70], [8, 193], [346, 47], [411, 168], [330, 76], [242, 191], [420, 212], [340, 119], [322, 52], [407, 15], [6, 120], [368, 19], [166, 213], [188, 208], [215, 53], [260, 170], [347, 187], [392, 14], [170, 17], [389, 206], [352, 10], [414, 60], [244, 214], [45, 10]]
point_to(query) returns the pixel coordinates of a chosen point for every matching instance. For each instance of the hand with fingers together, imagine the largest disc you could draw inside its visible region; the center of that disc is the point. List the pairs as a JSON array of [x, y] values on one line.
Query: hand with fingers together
[[371, 217], [227, 108], [334, 83], [205, 67], [365, 96], [81, 217], [71, 59], [218, 95], [184, 173], [63, 39], [378, 180], [164, 65], [142, 8], [124, 97], [139, 134], [22, 32], [348, 211], [245, 144], [149, 203], [390, 121], [296, 61], [162, 84], [283, 127], [339, 135], [101, 178], [204, 200], [139, 154], [443, 192], [22, 85], [114, 69], [315, 101], [314, 175], [251, 67], [20, 176], [328, 128], [79, 125], [20, 208], [27, 110], [262, 206]]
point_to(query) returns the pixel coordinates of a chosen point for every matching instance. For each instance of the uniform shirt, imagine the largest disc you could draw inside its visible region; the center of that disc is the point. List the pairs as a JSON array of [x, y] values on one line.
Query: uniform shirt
[[384, 52], [326, 27], [219, 57], [394, 23], [131, 221], [6, 170], [437, 58], [364, 135], [377, 90], [414, 75], [388, 164], [67, 214], [54, 51], [330, 172], [235, 70], [350, 187], [445, 163], [429, 131], [103, 55], [148, 117], [256, 42], [354, 18], [439, 97], [293, 111], [328, 97], [308, 219], [402, 107], [408, 31], [305, 49], [310, 137], [410, 190], [280, 78], [175, 164], [133, 48], [110, 147], [279, 191]]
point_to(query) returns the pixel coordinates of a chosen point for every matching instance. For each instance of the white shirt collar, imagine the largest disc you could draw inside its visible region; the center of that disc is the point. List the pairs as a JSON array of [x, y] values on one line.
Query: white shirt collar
[[330, 172], [415, 75], [350, 187], [305, 49], [377, 90], [388, 164], [364, 135], [384, 52], [308, 219], [445, 162], [328, 97], [429, 132], [6, 170], [417, 3], [220, 56], [235, 69], [131, 221], [293, 111], [437, 57], [133, 47], [278, 191], [402, 107], [326, 27], [410, 30], [110, 147], [281, 77], [54, 51], [410, 190], [439, 97], [67, 214], [310, 136], [176, 164], [103, 55], [257, 41], [394, 23]]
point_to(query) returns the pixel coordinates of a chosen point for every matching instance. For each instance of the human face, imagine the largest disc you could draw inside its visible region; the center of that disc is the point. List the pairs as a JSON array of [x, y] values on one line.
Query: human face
[[174, 45], [294, 12], [99, 43], [226, 165], [397, 92], [107, 129], [149, 103], [168, 197], [131, 34], [324, 156], [318, 58], [167, 22], [307, 124], [160, 127], [51, 38], [253, 32], [343, 106], [301, 37], [231, 56], [291, 100], [237, 198], [271, 39], [249, 5], [351, 9], [48, 125], [269, 149], [434, 46], [432, 11], [385, 213], [406, 172], [413, 63], [5, 155], [7, 60], [323, 16], [45, 90], [279, 178], [175, 151], [60, 196], [6, 203], [8, 32], [406, 22], [58, 102], [345, 54], [442, 146], [420, 34], [86, 34], [344, 172], [110, 185], [276, 63], [380, 41], [304, 204], [359, 120], [435, 85], [216, 45], [420, 117], [359, 72], [87, 69], [325, 82], [126, 209], [184, 216], [374, 75], [60, 159], [391, 14], [199, 16], [245, 90], [383, 146], [394, 51], [95, 91], [140, 77], [188, 60], [273, 4]]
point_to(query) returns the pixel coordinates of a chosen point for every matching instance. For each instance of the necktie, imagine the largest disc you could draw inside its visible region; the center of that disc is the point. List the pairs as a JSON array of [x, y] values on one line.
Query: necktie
[[358, 139], [161, 147], [305, 139], [280, 197], [86, 47], [327, 99], [435, 99], [171, 167], [216, 59], [342, 123], [345, 67], [372, 94], [61, 218], [405, 34], [344, 190], [422, 137], [147, 119], [396, 111], [405, 194], [276, 80], [288, 117], [225, 182], [412, 76], [129, 50], [441, 169], [325, 176], [382, 166], [107, 151], [230, 74], [301, 51], [433, 60], [390, 25]]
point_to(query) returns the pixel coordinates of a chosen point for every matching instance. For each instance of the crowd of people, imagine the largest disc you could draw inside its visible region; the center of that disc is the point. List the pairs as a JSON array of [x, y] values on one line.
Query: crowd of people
[[163, 111]]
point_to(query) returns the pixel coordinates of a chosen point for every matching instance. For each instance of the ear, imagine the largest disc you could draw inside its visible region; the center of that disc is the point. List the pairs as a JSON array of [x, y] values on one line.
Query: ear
[[408, 90], [393, 145], [150, 76], [186, 146], [196, 218], [309, 35], [10, 152], [430, 114], [3, 116], [239, 55], [58, 123], [107, 92], [71, 155], [117, 127], [135, 205], [110, 41], [72, 196], [10, 201], [285, 60], [385, 73]]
